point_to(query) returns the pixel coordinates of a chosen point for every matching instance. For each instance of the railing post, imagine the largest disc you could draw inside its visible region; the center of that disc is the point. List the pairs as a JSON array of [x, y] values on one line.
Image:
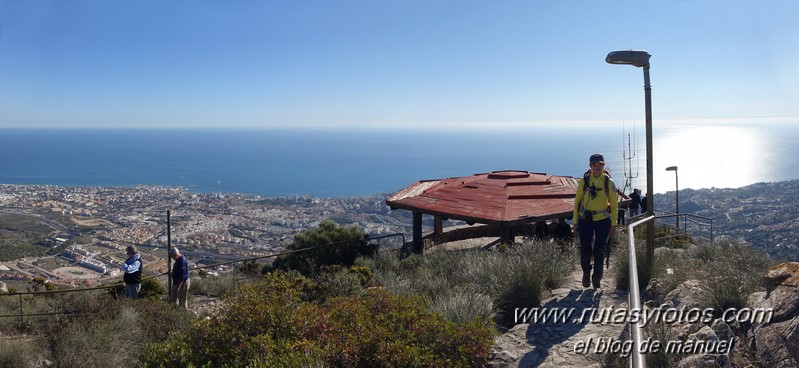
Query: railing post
[[20, 311], [711, 231], [637, 356], [168, 249]]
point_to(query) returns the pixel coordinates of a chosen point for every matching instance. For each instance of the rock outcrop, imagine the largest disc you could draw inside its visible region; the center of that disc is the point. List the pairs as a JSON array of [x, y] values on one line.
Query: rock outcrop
[[689, 294], [769, 335], [775, 340]]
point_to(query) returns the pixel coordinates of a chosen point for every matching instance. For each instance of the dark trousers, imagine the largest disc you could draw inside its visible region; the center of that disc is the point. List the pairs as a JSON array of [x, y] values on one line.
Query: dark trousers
[[593, 239]]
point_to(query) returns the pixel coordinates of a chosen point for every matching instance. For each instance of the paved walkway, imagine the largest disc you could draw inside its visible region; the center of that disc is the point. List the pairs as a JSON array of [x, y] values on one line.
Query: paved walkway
[[555, 343]]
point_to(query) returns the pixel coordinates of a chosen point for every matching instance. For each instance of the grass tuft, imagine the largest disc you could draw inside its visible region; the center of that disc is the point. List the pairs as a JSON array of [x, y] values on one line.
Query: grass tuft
[[476, 284]]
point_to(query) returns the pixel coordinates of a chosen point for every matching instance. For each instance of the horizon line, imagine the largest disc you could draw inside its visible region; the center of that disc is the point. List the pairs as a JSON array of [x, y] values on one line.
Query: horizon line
[[471, 125]]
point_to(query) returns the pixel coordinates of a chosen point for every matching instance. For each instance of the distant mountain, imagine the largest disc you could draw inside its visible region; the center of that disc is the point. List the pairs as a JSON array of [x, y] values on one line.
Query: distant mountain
[[763, 215]]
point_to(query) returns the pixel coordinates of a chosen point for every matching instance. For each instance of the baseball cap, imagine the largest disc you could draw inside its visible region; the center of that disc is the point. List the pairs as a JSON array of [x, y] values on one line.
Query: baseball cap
[[596, 158]]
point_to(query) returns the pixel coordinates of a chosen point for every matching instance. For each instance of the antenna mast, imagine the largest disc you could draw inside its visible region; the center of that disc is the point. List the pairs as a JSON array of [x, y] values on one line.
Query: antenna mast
[[629, 154]]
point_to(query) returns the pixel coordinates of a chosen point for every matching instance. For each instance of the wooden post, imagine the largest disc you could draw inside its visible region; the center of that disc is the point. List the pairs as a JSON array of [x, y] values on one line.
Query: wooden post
[[418, 245], [505, 234], [438, 225], [168, 249], [20, 311]]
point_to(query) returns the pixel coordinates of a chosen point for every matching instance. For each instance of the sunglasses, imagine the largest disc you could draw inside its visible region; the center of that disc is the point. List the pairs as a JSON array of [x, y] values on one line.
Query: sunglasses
[[598, 164]]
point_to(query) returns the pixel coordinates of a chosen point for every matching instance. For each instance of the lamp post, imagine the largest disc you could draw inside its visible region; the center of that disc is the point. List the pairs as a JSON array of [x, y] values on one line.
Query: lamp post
[[676, 193], [640, 59]]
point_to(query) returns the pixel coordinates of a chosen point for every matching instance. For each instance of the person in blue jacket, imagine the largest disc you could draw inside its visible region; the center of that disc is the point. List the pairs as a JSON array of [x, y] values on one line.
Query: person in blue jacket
[[180, 279]]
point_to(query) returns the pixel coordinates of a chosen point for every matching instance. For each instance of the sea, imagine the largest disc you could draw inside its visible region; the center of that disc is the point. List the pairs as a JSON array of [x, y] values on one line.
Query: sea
[[358, 162]]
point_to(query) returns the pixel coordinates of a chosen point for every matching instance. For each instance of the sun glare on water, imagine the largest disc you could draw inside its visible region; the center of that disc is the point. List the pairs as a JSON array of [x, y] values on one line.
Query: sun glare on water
[[711, 156]]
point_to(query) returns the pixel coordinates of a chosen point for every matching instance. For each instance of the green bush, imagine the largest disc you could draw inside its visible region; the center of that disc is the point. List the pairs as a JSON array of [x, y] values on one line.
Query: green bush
[[364, 274], [385, 330], [256, 322], [270, 323], [21, 353], [158, 319], [250, 268], [337, 245], [150, 288], [342, 283], [214, 285]]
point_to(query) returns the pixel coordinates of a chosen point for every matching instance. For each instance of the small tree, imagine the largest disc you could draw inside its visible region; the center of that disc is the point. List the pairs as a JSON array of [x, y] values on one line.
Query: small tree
[[38, 283], [337, 245], [249, 268]]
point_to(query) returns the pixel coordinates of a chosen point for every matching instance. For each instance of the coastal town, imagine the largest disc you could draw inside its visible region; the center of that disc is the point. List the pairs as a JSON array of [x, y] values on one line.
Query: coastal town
[[78, 235], [762, 215], [82, 232]]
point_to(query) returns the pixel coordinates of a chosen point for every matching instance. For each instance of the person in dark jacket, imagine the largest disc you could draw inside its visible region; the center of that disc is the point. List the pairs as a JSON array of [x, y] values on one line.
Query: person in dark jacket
[[635, 202], [643, 203], [180, 279], [563, 233], [132, 277], [541, 230]]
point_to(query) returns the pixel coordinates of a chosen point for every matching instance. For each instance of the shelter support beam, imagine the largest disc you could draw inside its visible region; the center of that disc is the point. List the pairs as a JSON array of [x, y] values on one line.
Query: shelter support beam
[[506, 234], [418, 245], [438, 225]]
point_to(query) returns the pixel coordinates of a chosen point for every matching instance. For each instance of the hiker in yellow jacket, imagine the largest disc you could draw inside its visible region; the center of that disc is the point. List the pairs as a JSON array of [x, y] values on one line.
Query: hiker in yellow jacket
[[596, 209]]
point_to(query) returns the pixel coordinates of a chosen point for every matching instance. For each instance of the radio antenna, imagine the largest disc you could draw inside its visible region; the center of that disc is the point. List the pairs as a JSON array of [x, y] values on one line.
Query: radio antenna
[[629, 155]]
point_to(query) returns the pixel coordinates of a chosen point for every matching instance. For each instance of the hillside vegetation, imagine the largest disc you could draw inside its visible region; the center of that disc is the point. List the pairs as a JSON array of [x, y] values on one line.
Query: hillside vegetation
[[443, 309], [21, 237], [371, 310]]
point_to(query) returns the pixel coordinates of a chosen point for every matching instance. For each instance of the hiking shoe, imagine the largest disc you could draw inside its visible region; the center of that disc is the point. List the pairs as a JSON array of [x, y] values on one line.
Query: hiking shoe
[[596, 283], [586, 279]]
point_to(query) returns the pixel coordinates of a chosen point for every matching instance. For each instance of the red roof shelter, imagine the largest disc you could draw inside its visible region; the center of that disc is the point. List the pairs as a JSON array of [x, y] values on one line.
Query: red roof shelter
[[505, 199]]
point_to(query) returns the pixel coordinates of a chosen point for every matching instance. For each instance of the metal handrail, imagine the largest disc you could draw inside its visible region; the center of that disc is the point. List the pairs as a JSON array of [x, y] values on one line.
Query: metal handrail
[[685, 219], [637, 356], [689, 217]]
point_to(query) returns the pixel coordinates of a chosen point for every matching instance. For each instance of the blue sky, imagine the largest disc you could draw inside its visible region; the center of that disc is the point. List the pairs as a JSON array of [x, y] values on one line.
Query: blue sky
[[422, 64]]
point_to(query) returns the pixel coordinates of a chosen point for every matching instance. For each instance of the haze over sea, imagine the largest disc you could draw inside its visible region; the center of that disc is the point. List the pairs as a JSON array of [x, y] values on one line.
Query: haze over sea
[[333, 163]]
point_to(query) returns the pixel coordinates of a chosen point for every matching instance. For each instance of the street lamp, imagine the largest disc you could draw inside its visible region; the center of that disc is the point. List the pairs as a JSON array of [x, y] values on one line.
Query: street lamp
[[676, 193], [640, 58]]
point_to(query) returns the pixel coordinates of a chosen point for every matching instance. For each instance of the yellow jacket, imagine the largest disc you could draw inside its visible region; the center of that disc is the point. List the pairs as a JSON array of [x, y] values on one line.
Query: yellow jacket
[[598, 204]]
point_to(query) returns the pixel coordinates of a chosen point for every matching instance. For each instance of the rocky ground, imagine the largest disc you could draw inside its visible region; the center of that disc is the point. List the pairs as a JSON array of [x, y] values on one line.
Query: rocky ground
[[203, 306], [772, 342]]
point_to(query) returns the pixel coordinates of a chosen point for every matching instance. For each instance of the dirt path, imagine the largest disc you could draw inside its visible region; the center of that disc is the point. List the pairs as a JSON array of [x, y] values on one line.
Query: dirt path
[[557, 343]]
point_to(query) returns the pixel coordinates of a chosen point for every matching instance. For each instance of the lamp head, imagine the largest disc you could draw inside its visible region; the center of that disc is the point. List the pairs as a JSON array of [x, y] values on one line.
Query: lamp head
[[637, 58], [671, 168]]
